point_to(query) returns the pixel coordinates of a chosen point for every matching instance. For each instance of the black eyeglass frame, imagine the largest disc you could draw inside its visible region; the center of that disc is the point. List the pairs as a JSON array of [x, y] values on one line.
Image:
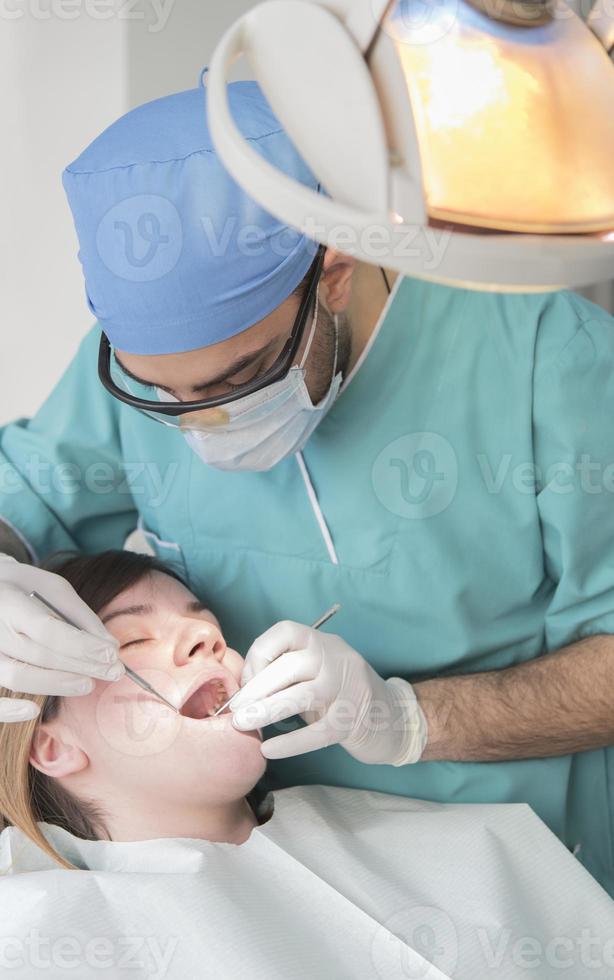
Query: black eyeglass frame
[[278, 370]]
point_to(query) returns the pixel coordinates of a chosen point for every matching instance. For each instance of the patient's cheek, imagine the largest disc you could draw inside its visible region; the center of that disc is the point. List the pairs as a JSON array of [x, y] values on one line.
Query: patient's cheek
[[124, 719], [233, 662], [130, 722], [136, 725]]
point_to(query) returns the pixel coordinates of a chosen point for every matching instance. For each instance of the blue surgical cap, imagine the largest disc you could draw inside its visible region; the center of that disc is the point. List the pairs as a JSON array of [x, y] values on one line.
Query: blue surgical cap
[[174, 253]]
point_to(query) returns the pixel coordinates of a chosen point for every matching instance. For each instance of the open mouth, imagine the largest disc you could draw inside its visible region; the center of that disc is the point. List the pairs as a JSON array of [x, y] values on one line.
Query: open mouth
[[206, 700]]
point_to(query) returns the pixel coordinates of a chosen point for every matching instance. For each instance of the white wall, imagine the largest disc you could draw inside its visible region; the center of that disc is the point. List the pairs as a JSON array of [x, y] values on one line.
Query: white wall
[[168, 48], [62, 81], [602, 293]]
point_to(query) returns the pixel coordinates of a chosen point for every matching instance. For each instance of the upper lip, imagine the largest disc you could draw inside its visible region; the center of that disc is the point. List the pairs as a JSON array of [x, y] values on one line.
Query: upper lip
[[217, 675]]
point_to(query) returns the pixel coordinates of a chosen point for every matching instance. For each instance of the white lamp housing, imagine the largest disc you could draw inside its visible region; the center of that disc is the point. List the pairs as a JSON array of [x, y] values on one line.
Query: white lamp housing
[[460, 148]]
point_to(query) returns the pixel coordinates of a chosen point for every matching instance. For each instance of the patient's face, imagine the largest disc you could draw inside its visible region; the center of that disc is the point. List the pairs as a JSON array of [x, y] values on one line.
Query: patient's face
[[140, 746]]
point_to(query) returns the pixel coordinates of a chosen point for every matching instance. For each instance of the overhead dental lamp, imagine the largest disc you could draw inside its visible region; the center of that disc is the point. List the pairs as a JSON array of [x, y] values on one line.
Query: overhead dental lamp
[[484, 128]]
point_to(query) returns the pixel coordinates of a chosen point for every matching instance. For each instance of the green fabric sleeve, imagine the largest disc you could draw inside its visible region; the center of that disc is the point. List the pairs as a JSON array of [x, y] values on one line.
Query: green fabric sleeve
[[62, 480], [573, 433]]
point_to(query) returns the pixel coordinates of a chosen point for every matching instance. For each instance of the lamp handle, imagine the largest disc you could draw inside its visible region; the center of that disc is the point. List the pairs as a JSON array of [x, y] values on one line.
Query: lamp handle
[[342, 138], [601, 22], [410, 246]]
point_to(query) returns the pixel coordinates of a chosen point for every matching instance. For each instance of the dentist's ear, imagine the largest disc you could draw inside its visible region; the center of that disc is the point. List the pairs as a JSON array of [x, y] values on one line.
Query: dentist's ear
[[54, 754], [336, 281]]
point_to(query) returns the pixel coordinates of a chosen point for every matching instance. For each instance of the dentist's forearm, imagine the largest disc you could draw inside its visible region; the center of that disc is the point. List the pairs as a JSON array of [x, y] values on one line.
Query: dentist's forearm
[[559, 703]]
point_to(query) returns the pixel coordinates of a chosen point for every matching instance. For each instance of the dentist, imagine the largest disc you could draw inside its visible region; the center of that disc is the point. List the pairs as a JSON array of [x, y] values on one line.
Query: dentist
[[290, 429]]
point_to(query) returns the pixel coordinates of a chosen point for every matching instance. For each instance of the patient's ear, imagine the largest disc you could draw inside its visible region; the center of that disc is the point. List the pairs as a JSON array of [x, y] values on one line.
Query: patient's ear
[[54, 753]]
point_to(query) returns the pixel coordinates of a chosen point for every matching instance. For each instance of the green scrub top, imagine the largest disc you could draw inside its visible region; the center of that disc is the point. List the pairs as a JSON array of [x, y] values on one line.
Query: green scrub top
[[466, 476]]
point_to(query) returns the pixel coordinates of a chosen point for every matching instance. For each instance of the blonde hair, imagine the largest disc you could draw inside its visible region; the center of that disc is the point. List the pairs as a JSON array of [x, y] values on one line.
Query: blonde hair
[[27, 796]]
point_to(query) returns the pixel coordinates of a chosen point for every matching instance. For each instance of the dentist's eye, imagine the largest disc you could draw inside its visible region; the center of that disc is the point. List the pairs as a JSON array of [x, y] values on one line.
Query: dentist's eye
[[261, 367], [240, 384]]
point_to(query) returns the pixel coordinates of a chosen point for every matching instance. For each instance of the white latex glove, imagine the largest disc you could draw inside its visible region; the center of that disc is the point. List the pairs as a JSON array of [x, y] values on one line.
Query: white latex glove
[[293, 669], [39, 653]]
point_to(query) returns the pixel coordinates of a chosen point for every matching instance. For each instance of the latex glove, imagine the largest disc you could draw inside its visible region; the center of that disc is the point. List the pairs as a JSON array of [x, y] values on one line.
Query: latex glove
[[39, 653], [293, 669]]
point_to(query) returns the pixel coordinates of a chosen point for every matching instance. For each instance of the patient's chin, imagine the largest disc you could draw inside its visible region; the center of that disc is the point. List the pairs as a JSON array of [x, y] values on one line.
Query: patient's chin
[[219, 746]]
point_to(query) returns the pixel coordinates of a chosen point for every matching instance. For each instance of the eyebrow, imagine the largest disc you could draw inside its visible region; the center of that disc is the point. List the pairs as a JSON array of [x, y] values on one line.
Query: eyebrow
[[193, 606], [239, 365]]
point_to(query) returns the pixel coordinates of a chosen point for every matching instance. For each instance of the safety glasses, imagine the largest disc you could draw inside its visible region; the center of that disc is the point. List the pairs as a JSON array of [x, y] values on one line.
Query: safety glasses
[[205, 411]]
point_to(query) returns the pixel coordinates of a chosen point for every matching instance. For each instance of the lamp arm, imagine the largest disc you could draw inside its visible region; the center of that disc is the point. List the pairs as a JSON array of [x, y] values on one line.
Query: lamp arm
[[365, 19], [601, 22]]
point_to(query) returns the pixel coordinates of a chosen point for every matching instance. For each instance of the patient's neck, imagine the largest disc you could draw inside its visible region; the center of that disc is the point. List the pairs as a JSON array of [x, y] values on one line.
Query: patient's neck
[[231, 823]]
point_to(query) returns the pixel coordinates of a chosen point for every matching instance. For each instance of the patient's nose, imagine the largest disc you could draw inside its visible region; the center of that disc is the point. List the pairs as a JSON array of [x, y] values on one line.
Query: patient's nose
[[206, 641]]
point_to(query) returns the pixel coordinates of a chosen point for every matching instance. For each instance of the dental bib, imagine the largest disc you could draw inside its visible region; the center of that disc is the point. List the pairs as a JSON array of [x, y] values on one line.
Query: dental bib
[[338, 883]]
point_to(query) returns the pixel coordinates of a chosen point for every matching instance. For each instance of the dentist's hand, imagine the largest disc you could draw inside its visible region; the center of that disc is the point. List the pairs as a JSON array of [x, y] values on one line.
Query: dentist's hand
[[40, 654], [293, 669]]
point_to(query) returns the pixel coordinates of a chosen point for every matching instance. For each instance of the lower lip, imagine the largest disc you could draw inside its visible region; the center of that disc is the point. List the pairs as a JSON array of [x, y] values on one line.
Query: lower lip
[[208, 718], [225, 715]]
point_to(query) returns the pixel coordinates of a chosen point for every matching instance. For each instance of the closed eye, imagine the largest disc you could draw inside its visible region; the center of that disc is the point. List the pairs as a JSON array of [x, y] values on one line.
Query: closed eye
[[132, 643], [235, 387]]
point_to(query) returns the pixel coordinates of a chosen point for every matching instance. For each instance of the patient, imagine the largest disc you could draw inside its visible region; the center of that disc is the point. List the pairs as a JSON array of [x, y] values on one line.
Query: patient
[[119, 764]]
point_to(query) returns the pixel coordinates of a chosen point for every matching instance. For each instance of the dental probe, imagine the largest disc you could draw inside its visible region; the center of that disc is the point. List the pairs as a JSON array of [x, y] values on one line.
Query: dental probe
[[316, 626], [129, 671]]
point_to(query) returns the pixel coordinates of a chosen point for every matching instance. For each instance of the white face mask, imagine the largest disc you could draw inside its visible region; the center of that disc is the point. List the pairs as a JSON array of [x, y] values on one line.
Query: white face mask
[[268, 425]]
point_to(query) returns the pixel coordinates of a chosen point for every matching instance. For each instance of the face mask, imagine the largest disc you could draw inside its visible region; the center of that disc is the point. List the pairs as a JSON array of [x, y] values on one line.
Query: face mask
[[268, 425]]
